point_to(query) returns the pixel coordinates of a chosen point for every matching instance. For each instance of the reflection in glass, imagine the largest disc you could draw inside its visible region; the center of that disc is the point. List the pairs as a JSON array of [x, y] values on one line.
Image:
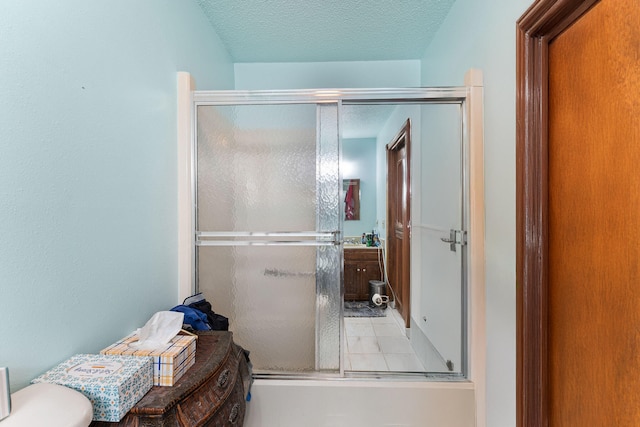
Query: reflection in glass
[[351, 188]]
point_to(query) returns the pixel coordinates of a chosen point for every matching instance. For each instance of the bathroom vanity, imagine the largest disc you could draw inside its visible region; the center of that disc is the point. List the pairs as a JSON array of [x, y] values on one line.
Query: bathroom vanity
[[211, 393], [360, 265]]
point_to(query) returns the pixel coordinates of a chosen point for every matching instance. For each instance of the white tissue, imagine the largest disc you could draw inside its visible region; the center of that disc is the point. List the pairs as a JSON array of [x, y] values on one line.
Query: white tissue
[[378, 299], [159, 330]]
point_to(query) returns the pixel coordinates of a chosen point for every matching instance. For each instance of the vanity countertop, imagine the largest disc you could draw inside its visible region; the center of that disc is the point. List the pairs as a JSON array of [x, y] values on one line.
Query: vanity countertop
[[351, 246]]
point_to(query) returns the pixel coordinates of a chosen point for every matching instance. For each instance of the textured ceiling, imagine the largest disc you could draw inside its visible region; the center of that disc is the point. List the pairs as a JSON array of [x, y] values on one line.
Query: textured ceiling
[[325, 30]]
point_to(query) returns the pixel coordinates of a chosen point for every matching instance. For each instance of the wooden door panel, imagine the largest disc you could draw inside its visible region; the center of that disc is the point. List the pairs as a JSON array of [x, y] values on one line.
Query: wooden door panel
[[399, 219], [360, 266], [594, 223], [350, 280], [578, 214]]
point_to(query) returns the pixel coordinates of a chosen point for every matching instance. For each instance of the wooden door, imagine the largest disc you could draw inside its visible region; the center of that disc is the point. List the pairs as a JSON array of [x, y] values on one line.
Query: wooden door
[[399, 219], [579, 214]]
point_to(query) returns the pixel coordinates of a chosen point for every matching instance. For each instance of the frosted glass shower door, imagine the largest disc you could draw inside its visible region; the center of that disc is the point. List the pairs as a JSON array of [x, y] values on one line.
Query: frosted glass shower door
[[267, 221]]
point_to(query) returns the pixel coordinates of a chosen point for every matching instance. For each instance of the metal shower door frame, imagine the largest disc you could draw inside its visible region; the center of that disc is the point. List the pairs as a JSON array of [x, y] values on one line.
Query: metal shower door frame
[[443, 95]]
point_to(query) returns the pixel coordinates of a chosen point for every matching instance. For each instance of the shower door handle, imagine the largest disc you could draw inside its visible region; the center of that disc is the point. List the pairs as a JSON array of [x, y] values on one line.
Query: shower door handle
[[454, 240], [451, 240], [271, 238]]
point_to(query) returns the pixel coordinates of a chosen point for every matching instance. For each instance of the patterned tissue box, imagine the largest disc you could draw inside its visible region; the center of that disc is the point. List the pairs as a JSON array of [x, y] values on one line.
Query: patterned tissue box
[[169, 362], [113, 384]]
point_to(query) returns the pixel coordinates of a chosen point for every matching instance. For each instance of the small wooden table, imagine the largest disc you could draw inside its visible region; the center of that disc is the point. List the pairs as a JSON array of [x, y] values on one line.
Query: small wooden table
[[211, 393]]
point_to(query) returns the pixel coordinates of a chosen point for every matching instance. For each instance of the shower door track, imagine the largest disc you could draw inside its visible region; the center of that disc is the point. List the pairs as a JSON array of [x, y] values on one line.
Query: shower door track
[[443, 95]]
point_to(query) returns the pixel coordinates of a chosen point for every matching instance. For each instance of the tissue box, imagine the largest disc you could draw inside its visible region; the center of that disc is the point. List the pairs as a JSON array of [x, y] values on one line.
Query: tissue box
[[113, 384], [169, 362]]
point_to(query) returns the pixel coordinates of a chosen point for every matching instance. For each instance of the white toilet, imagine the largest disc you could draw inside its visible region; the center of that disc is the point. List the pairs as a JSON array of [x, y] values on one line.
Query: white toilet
[[50, 405]]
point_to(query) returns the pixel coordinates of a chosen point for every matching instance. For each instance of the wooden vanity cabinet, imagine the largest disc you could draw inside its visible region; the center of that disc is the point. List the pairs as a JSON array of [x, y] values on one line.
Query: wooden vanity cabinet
[[360, 266]]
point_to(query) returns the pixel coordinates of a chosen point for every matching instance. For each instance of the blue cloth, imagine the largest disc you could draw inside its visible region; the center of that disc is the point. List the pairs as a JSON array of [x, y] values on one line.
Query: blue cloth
[[193, 317]]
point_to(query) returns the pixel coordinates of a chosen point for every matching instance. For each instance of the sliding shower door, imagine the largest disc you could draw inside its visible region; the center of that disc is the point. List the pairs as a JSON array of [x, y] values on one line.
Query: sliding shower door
[[439, 238], [267, 252]]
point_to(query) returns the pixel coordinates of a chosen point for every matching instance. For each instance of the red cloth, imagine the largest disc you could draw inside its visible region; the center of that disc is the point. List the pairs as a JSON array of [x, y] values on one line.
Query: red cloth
[[349, 203]]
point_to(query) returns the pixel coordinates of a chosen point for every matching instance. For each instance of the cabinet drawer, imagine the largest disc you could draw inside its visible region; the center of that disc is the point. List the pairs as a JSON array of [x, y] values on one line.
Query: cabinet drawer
[[204, 402], [361, 255], [232, 411]]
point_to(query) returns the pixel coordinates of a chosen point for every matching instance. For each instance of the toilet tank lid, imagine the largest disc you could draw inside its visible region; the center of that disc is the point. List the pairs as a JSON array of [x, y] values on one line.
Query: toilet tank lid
[[48, 404]]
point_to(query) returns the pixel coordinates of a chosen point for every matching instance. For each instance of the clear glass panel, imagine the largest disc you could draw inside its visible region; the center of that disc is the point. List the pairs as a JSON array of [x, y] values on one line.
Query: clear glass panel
[[261, 168], [435, 341], [439, 311]]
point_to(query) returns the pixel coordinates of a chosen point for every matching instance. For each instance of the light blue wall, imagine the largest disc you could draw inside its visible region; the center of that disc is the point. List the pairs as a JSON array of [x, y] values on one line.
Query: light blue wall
[[361, 155], [481, 34], [88, 217], [311, 75]]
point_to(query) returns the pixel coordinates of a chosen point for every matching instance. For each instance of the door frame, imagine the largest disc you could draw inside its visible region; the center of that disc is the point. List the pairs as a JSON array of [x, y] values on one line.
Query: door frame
[[536, 28]]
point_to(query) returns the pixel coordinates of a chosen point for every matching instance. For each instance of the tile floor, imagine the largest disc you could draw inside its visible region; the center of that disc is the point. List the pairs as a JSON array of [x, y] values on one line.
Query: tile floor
[[378, 344]]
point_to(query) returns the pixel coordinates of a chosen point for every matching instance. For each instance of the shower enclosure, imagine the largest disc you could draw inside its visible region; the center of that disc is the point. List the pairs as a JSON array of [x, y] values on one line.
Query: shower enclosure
[[268, 214]]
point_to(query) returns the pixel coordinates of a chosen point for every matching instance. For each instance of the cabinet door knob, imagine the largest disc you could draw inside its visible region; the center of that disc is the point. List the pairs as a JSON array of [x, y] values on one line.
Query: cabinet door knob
[[357, 269], [235, 411], [364, 269], [222, 379]]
